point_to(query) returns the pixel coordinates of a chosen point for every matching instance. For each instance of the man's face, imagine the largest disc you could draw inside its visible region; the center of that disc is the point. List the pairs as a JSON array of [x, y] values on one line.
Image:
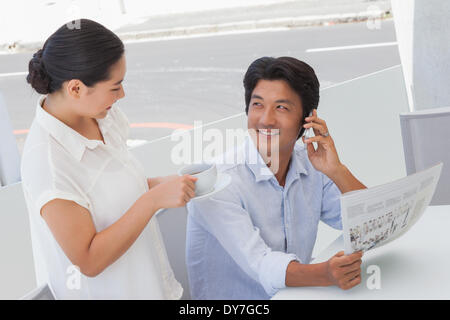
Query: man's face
[[275, 116]]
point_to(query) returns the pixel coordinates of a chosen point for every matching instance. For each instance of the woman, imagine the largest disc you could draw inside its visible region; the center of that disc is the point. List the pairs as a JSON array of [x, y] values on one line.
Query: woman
[[91, 207]]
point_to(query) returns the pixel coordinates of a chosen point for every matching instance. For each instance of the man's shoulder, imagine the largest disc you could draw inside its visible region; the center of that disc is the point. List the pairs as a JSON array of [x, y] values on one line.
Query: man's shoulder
[[231, 161], [239, 174]]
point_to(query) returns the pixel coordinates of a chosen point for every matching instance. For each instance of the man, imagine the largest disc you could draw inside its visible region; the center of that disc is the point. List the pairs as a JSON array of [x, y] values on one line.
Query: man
[[256, 236]]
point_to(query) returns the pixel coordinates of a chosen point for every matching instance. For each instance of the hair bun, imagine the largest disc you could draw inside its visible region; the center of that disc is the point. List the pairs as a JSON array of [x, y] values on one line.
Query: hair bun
[[37, 75]]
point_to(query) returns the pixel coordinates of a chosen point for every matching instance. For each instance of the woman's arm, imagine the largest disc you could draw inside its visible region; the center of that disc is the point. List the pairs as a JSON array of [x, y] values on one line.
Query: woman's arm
[[74, 230], [92, 251], [152, 182]]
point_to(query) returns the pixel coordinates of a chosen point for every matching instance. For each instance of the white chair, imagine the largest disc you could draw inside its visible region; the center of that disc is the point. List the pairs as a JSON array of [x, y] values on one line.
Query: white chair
[[172, 223], [426, 141], [17, 264], [9, 154], [43, 292]]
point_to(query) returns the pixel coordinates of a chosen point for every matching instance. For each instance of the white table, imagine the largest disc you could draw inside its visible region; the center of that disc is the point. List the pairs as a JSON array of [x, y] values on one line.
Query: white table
[[414, 266]]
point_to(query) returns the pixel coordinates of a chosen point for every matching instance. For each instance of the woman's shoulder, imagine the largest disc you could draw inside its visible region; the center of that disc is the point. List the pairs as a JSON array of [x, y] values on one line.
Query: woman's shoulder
[[37, 141], [35, 147], [40, 155]]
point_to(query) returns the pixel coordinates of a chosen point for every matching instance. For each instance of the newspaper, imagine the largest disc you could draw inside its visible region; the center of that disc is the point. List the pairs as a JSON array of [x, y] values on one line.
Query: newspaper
[[375, 216]]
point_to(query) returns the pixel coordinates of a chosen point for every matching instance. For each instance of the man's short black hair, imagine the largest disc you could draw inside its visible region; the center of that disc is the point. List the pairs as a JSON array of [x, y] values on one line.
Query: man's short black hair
[[298, 74]]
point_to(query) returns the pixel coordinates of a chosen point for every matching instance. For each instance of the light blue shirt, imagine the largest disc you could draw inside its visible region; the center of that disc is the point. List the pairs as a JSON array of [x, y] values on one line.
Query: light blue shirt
[[240, 240]]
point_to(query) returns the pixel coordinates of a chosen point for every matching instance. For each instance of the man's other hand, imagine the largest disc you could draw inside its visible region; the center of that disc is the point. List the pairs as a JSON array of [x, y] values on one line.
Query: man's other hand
[[344, 271]]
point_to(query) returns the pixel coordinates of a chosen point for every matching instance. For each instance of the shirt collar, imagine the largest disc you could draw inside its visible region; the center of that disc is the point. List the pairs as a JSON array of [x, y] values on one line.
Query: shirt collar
[[298, 161], [260, 170], [70, 139]]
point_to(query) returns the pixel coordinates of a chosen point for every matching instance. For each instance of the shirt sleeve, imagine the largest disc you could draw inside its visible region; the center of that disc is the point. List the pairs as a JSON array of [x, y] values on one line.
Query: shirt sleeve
[[225, 218], [43, 184], [51, 194], [331, 204]]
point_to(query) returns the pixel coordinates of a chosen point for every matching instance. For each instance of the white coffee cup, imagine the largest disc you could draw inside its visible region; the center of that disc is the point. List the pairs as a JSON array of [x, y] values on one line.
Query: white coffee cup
[[206, 175]]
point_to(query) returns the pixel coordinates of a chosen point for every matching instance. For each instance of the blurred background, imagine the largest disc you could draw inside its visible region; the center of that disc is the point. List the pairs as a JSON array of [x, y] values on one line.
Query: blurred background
[[186, 59]]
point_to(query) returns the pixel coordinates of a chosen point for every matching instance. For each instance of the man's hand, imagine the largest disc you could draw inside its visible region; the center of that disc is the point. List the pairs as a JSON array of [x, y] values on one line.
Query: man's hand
[[325, 157], [344, 271]]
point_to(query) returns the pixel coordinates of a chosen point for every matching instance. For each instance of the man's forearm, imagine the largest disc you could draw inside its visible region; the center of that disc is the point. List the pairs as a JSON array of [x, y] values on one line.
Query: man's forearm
[[307, 275], [345, 180]]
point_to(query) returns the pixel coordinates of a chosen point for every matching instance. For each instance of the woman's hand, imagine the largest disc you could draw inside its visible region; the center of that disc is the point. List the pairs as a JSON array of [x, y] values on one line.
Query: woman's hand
[[325, 157], [153, 182], [174, 192]]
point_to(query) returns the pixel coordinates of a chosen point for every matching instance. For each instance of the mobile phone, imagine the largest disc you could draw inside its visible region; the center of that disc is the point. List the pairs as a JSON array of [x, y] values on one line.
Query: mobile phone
[[308, 132]]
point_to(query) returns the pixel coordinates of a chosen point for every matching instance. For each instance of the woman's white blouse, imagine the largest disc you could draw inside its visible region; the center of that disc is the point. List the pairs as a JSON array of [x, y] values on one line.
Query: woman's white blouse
[[58, 162]]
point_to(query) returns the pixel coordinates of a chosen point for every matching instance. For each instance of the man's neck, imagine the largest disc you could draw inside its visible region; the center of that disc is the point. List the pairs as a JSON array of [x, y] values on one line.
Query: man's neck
[[281, 168]]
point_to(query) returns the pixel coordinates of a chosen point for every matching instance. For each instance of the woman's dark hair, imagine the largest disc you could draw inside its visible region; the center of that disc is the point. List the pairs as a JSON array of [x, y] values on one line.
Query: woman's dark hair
[[85, 53], [299, 75]]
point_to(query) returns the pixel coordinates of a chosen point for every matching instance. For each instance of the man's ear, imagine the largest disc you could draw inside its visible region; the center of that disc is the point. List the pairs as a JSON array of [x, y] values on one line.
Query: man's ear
[[75, 88], [301, 130]]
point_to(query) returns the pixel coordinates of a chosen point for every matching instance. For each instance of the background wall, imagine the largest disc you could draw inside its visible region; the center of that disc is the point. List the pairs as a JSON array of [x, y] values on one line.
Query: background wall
[[423, 33]]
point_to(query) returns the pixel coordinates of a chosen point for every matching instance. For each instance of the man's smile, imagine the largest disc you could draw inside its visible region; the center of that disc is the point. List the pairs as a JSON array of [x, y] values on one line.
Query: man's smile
[[269, 132]]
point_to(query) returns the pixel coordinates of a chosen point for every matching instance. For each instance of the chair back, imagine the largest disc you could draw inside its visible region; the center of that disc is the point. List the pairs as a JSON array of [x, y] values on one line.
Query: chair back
[[17, 267], [9, 153], [172, 223], [43, 292], [426, 141]]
